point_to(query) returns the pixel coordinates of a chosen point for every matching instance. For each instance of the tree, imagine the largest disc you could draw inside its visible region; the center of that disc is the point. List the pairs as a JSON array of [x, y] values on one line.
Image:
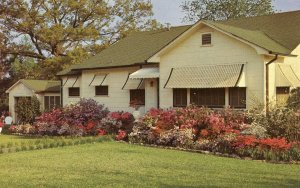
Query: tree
[[225, 9], [56, 27]]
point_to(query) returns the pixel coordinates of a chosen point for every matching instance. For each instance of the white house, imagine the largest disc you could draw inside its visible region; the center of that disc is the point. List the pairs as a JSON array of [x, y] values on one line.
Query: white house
[[237, 63], [46, 91]]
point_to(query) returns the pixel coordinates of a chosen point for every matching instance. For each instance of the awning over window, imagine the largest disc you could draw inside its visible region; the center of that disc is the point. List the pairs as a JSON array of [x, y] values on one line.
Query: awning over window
[[286, 75], [207, 76], [133, 83], [98, 79], [145, 73], [71, 82]]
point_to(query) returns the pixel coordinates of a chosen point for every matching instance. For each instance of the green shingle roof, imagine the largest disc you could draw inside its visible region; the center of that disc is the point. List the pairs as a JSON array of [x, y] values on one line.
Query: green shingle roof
[[282, 27], [42, 85], [277, 33], [134, 49]]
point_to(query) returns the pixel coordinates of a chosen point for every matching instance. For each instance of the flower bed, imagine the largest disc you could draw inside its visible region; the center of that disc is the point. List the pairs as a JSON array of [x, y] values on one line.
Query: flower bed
[[227, 131], [86, 117]]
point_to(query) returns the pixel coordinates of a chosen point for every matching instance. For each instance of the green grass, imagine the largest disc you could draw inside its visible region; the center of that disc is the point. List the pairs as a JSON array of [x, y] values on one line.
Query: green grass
[[111, 164]]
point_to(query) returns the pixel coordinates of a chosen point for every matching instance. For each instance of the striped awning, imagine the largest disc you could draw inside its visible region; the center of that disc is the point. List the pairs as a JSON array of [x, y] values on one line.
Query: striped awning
[[207, 76], [98, 79], [133, 83], [287, 75], [71, 82], [145, 73]]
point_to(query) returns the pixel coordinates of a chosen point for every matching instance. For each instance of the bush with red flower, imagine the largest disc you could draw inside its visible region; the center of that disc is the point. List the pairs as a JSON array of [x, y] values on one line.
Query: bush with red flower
[[225, 131]]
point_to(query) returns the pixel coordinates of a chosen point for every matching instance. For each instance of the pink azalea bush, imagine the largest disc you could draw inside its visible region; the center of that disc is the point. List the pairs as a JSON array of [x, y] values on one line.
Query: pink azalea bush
[[225, 131], [86, 117]]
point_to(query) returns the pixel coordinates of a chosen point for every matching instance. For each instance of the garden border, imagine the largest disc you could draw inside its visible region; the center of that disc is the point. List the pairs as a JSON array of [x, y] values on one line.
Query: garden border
[[210, 153]]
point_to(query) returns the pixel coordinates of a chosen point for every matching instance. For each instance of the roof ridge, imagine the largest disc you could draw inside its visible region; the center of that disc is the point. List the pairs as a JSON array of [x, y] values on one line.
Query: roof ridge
[[251, 17]]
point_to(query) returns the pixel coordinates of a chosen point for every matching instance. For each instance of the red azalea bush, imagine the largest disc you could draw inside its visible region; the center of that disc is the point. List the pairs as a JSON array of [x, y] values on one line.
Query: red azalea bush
[[225, 131], [78, 119], [115, 122]]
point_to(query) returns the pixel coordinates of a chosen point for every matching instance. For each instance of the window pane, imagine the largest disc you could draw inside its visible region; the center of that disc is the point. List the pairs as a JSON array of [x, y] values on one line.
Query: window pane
[[179, 97], [212, 98], [57, 101], [138, 95], [51, 102], [74, 92], [46, 103], [237, 97], [101, 90], [282, 95]]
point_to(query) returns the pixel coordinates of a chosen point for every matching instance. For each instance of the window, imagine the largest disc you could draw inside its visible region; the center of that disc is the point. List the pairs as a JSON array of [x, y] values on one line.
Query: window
[[101, 90], [179, 97], [206, 39], [74, 92], [282, 95], [137, 95], [237, 97], [51, 102], [212, 98]]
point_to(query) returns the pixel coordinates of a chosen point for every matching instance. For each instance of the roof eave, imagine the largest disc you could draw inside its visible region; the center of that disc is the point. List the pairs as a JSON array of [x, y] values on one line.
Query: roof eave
[[120, 66]]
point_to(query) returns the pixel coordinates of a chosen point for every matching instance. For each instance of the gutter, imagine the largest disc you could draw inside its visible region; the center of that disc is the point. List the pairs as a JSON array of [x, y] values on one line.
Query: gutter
[[267, 81]]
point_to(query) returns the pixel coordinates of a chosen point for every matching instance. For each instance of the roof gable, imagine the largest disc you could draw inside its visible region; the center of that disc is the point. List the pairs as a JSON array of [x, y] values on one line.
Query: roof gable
[[281, 27], [277, 33], [39, 85]]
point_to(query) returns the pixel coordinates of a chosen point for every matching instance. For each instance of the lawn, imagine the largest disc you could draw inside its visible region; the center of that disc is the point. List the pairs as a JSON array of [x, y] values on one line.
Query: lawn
[[111, 164]]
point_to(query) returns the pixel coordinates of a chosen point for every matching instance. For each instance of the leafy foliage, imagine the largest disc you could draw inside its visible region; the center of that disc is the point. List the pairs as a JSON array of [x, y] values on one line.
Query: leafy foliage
[[226, 131], [293, 101], [278, 122], [27, 109], [225, 9], [60, 33]]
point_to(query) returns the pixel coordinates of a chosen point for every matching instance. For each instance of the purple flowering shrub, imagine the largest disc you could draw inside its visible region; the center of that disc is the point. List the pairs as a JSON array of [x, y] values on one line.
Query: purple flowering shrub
[[71, 120]]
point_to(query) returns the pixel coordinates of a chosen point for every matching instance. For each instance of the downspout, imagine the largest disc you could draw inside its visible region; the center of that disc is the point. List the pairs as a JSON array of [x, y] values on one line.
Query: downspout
[[267, 81]]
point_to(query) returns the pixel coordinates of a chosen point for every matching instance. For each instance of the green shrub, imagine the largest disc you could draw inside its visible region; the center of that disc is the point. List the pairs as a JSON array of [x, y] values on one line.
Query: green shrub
[[5, 129], [27, 109], [278, 122], [293, 101]]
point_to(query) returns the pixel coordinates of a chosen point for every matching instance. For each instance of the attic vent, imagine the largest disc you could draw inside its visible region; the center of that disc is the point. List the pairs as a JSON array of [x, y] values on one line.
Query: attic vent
[[206, 39]]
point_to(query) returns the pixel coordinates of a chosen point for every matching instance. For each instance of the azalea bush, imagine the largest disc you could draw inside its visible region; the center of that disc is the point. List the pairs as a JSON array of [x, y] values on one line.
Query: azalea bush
[[23, 129], [224, 131], [86, 117], [278, 122], [77, 119]]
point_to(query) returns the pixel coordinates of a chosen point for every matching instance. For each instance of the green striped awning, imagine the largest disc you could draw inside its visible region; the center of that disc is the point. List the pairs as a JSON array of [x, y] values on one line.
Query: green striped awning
[[206, 76]]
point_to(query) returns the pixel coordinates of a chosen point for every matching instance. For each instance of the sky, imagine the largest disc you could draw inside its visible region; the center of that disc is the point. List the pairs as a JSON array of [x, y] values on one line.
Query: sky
[[169, 11]]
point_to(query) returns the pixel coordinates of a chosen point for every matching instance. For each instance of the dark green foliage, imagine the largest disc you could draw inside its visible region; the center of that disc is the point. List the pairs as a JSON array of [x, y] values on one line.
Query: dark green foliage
[[27, 109], [293, 101]]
